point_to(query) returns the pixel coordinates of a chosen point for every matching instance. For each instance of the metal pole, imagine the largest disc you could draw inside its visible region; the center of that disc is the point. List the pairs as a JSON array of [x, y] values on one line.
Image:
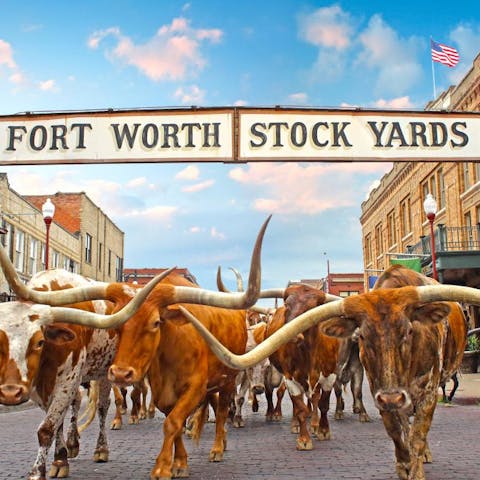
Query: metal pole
[[48, 221], [431, 218]]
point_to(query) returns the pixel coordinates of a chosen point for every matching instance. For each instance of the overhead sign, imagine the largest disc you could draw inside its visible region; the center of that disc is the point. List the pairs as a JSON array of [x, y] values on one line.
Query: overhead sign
[[238, 134]]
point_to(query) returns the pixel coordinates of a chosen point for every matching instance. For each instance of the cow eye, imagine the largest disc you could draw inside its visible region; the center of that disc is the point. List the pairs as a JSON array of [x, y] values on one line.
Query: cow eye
[[40, 344], [157, 324]]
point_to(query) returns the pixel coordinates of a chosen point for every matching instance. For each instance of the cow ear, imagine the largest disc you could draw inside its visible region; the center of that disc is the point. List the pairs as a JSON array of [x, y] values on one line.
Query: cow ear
[[340, 327], [431, 312], [59, 334]]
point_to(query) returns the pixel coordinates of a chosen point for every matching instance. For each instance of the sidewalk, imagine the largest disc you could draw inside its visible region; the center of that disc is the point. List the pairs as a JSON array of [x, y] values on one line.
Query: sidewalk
[[468, 391]]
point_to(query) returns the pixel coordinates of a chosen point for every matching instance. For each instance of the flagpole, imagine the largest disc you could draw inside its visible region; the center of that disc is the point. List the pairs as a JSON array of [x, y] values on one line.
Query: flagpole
[[433, 74]]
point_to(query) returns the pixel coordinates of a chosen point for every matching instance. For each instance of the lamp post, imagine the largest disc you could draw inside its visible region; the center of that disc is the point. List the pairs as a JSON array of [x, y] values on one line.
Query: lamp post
[[48, 210], [430, 208]]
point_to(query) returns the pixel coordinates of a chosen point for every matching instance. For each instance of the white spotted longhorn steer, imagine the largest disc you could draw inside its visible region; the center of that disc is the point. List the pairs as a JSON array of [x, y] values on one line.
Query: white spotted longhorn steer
[[46, 361]]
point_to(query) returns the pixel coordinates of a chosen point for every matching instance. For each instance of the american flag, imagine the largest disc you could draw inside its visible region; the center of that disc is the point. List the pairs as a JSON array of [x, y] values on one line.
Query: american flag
[[444, 54]]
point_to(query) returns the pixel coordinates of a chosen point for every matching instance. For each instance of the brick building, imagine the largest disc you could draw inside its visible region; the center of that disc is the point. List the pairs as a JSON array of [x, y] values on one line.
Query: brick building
[[82, 238], [393, 219], [340, 284], [101, 241]]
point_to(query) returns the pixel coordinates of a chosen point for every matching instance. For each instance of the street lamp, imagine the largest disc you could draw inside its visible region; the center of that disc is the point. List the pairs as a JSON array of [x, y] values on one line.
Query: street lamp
[[430, 208], [48, 210]]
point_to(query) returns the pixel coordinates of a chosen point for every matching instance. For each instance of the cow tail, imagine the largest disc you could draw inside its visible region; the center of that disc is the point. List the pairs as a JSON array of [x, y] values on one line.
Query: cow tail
[[91, 409], [198, 420]]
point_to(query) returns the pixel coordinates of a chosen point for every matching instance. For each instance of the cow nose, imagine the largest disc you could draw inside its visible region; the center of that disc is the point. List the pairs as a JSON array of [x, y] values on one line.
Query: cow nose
[[258, 389], [13, 394], [391, 400], [121, 375]]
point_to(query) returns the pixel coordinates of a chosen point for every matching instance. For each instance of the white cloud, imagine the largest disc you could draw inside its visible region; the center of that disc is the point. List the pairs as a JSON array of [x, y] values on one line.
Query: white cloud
[[137, 182], [400, 103], [240, 103], [192, 172], [47, 85], [173, 53], [214, 233], [393, 58], [191, 95], [194, 229], [298, 98], [304, 189], [6, 55], [198, 187], [163, 213], [329, 27]]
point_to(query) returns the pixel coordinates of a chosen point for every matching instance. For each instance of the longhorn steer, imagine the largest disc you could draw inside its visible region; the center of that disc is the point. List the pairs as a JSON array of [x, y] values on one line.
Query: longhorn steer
[[47, 361], [350, 369], [410, 341]]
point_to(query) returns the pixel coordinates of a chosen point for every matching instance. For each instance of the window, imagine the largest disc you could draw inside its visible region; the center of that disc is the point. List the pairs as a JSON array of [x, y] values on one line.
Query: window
[[368, 249], [32, 256], [466, 176], [435, 184], [348, 293], [391, 229], [42, 256], [109, 262], [55, 259], [88, 248], [441, 189], [100, 251], [19, 250], [378, 240], [118, 269], [405, 217]]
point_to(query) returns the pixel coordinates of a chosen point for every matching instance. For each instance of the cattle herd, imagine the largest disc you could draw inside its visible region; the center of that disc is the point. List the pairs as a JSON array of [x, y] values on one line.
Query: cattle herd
[[198, 350]]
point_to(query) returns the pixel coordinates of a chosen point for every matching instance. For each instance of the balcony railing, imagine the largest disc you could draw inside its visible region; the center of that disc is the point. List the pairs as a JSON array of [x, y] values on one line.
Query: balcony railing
[[448, 239]]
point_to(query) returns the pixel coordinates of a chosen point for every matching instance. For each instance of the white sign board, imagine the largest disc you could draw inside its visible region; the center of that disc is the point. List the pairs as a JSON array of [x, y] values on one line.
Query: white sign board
[[238, 134]]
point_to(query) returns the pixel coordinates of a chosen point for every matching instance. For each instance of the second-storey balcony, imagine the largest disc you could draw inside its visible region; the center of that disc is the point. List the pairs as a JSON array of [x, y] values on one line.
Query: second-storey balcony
[[456, 248]]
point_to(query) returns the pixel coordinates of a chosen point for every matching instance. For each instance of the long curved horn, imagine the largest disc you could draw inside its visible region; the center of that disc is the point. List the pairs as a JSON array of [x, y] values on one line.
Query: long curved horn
[[221, 286], [272, 343], [239, 279], [95, 320], [448, 293], [95, 291], [239, 300]]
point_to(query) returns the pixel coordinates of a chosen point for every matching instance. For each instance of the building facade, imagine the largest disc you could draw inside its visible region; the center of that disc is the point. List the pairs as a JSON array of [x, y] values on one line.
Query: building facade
[[394, 224], [82, 238]]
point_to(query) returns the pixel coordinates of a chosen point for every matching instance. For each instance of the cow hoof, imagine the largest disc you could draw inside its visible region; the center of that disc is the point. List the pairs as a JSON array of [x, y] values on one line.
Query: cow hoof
[[324, 435], [59, 469], [278, 417], [178, 472], [133, 420], [215, 456], [151, 414], [402, 470], [238, 422], [364, 418], [304, 444], [339, 416], [427, 456], [72, 452], [100, 455], [295, 429], [116, 425]]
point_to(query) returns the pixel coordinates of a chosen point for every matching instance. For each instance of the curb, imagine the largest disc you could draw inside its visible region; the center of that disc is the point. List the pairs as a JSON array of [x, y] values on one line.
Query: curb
[[17, 408]]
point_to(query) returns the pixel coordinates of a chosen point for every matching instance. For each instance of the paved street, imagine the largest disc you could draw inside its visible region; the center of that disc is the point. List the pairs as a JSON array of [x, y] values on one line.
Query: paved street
[[260, 451]]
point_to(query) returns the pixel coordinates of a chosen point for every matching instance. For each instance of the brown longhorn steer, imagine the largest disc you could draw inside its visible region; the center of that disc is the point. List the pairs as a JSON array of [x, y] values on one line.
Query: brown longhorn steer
[[410, 341], [182, 371], [47, 361], [308, 364], [166, 349]]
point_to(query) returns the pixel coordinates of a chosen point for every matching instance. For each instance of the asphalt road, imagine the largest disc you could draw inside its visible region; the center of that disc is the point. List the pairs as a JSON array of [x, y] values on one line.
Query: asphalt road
[[260, 451]]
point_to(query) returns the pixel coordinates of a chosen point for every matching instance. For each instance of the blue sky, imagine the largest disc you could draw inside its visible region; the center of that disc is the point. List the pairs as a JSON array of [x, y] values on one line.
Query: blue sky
[[126, 54]]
